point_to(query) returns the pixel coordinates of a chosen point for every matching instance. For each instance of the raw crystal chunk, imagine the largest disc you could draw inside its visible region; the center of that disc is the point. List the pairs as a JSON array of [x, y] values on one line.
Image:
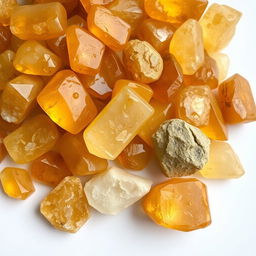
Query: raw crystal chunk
[[170, 81], [187, 46], [5, 38], [66, 102], [223, 162], [143, 62], [33, 58], [39, 21], [175, 11], [3, 151], [49, 169], [6, 8], [143, 90], [219, 25], [117, 124], [180, 204], [157, 33], [32, 139], [16, 183], [19, 98], [87, 4], [110, 29], [197, 105], [66, 207], [85, 51], [223, 63], [115, 190], [136, 155], [78, 159], [181, 149], [236, 100]]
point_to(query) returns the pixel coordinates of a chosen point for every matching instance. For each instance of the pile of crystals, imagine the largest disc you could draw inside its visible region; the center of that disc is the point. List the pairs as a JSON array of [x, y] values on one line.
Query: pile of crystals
[[83, 83]]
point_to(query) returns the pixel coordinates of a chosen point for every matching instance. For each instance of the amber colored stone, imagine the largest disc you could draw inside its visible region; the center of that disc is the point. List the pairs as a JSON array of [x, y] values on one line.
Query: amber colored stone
[[170, 81], [131, 11], [49, 169], [175, 11], [77, 157], [208, 74], [6, 8], [32, 58], [162, 112], [219, 25], [15, 43], [85, 51], [19, 98], [197, 105], [117, 124], [87, 4], [66, 102], [180, 204], [39, 22], [136, 155], [7, 70], [32, 139], [223, 63], [17, 183], [143, 90], [5, 38], [100, 86], [3, 151], [187, 46], [223, 162], [236, 100], [157, 33], [66, 207], [110, 29]]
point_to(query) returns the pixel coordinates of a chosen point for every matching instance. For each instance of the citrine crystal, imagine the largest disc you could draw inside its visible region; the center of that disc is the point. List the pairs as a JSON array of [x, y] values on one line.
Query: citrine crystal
[[6, 8]]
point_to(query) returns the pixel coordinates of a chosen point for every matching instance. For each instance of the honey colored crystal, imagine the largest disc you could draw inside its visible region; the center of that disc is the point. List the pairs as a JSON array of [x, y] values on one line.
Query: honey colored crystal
[[236, 100], [32, 139], [6, 8], [110, 29], [223, 162], [5, 38], [19, 98], [180, 204], [117, 124], [187, 46], [66, 207], [223, 63], [219, 25], [33, 58], [77, 157], [39, 21], [66, 102], [17, 183]]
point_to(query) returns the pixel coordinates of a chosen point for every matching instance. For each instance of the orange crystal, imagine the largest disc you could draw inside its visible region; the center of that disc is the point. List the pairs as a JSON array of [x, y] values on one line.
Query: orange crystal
[[5, 38], [236, 100], [180, 204], [6, 8]]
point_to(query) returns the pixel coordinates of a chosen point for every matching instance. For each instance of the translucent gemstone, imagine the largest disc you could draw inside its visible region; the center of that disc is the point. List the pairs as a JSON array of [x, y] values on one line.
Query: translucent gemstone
[[66, 207], [175, 11], [143, 90], [236, 100], [100, 86], [170, 81], [219, 25], [34, 59], [162, 112], [117, 124], [208, 74], [198, 106], [19, 98], [223, 63], [143, 62], [6, 8], [223, 163], [85, 51], [49, 169], [136, 155], [87, 4], [5, 38], [131, 11], [39, 21], [157, 33], [180, 204], [7, 71], [110, 29], [32, 139], [3, 151], [78, 159], [187, 46], [17, 183]]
